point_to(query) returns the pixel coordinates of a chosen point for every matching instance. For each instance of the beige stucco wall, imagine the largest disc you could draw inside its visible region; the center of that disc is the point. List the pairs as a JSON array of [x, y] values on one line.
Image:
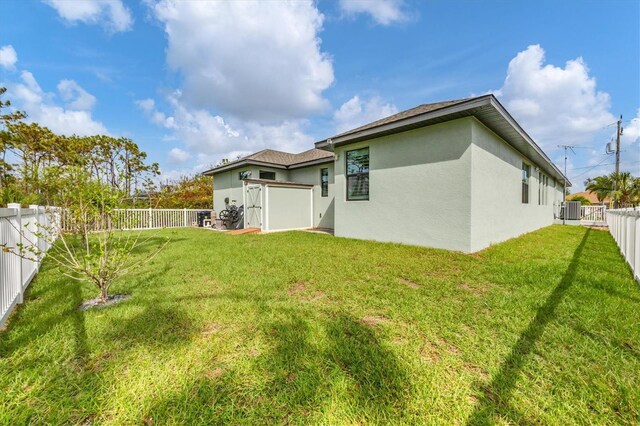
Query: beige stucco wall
[[497, 211], [323, 207], [419, 192]]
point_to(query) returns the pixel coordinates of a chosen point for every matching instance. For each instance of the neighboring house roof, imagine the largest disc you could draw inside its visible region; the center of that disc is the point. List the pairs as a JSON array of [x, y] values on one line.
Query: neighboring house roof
[[277, 159], [486, 109], [593, 198]]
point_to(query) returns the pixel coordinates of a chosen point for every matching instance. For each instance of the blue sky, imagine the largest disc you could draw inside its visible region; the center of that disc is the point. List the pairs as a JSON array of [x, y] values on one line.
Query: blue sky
[[193, 82]]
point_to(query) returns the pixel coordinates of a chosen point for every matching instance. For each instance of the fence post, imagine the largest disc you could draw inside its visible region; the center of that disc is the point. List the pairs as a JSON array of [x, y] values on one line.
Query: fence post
[[17, 207], [150, 218], [36, 224], [636, 260]]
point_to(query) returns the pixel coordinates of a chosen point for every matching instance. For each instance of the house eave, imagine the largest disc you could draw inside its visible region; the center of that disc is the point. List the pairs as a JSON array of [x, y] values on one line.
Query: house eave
[[278, 183], [240, 164], [244, 163], [311, 163]]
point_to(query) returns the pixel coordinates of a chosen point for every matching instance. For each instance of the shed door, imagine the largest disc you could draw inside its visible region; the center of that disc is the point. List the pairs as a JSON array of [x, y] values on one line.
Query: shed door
[[254, 206]]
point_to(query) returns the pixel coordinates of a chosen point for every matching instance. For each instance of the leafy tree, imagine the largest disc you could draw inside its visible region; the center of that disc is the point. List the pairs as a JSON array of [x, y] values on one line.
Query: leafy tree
[[89, 246], [6, 118], [192, 192], [32, 146], [91, 179]]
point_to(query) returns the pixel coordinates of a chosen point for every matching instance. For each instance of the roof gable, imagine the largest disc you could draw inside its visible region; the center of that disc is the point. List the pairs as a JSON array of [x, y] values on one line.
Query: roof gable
[[275, 158]]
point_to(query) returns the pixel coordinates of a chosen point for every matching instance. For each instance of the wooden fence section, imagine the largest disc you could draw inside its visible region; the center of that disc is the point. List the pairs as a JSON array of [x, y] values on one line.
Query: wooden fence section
[[32, 227], [624, 225]]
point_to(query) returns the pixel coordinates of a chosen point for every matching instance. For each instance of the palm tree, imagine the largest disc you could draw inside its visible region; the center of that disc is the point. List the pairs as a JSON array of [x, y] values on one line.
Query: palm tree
[[635, 191], [621, 187], [602, 186]]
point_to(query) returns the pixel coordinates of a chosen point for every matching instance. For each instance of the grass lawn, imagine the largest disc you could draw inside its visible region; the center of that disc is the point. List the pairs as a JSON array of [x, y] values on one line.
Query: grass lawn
[[306, 328]]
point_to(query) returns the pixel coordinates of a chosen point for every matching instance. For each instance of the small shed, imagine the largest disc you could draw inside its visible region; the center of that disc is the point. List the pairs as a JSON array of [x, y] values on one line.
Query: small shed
[[277, 206]]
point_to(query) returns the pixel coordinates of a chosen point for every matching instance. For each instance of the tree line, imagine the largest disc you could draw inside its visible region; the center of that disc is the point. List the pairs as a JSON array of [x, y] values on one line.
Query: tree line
[[90, 180], [35, 162]]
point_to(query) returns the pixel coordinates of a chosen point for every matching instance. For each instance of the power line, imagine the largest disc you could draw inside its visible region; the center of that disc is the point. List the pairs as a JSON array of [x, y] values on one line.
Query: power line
[[591, 168], [600, 164], [608, 164]]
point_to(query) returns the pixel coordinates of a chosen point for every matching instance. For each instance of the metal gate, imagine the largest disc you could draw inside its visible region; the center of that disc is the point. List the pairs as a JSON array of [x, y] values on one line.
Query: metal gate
[[253, 206]]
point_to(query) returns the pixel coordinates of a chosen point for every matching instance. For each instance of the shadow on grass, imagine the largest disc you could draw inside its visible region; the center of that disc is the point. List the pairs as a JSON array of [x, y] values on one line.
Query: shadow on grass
[[303, 371], [495, 398], [376, 373], [153, 325]]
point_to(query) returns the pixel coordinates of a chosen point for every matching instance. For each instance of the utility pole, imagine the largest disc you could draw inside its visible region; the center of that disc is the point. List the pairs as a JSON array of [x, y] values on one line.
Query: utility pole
[[618, 134], [564, 192], [615, 181]]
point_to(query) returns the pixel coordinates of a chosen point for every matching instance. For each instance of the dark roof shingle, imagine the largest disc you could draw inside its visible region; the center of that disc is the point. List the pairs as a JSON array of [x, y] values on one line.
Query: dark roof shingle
[[280, 158], [420, 109]]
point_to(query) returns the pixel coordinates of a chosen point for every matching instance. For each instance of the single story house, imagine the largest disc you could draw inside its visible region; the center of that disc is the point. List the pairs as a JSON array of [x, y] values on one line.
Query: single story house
[[458, 175]]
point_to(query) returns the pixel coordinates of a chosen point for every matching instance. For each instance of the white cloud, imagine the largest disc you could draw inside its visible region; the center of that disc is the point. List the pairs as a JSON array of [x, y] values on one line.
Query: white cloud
[[354, 113], [42, 109], [250, 59], [176, 155], [384, 12], [631, 132], [76, 97], [111, 14], [554, 105], [211, 137], [156, 117], [8, 57]]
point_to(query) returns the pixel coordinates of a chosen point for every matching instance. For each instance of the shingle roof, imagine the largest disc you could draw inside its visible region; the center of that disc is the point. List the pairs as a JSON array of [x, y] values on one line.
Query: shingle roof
[[287, 159], [280, 158], [420, 109]]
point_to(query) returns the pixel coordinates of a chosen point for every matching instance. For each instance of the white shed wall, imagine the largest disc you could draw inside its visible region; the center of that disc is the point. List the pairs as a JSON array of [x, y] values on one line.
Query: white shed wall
[[287, 208]]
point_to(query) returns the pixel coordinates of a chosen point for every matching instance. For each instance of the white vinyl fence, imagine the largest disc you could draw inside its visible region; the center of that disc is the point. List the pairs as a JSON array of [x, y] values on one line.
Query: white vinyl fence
[[18, 227], [135, 219], [593, 213], [624, 225]]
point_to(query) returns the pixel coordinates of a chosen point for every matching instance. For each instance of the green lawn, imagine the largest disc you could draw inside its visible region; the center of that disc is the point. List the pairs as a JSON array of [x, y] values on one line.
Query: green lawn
[[306, 328]]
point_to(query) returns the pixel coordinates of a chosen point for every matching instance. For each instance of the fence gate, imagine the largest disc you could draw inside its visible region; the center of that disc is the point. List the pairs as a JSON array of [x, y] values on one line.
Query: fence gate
[[253, 206]]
